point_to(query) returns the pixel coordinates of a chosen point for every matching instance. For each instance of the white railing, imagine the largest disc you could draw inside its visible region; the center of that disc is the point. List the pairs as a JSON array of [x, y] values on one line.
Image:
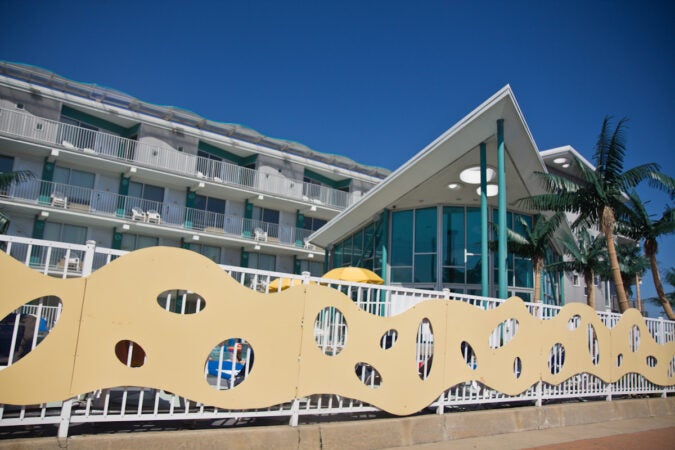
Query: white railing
[[17, 338], [109, 204], [110, 146]]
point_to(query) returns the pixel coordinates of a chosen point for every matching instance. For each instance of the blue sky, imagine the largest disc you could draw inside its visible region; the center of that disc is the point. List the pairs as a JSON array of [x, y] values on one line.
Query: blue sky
[[375, 81]]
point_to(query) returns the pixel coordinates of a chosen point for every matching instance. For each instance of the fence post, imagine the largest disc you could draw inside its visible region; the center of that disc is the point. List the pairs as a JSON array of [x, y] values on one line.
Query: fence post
[[540, 315], [88, 263], [67, 406]]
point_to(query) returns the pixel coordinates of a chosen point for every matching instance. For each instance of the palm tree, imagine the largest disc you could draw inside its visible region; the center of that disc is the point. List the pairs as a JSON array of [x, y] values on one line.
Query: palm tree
[[640, 226], [533, 243], [631, 266], [599, 197], [587, 255], [8, 178]]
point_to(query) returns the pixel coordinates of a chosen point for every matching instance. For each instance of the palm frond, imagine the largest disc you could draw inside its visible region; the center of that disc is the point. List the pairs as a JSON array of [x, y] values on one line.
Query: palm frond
[[8, 178]]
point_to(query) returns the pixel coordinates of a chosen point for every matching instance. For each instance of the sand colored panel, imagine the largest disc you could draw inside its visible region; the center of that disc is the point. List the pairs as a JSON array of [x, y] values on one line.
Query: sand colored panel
[[118, 303]]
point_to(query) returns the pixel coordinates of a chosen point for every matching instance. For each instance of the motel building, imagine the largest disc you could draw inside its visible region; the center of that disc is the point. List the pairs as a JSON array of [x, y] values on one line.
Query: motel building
[[128, 174]]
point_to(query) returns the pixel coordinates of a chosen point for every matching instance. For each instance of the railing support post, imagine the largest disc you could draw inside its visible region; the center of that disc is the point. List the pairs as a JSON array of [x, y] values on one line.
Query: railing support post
[[295, 410], [88, 263], [441, 404], [64, 422], [539, 394]]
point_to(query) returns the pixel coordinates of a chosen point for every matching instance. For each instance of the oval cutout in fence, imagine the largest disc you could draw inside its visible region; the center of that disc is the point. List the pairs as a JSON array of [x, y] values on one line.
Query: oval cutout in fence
[[517, 367], [130, 353], [229, 363], [424, 348], [469, 355], [593, 346], [634, 338], [368, 374], [503, 333], [388, 339], [330, 331], [24, 329], [556, 359], [181, 301]]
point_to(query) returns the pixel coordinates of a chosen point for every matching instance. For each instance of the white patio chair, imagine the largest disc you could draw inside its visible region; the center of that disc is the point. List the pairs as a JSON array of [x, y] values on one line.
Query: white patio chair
[[260, 234], [59, 199], [138, 214], [154, 217]]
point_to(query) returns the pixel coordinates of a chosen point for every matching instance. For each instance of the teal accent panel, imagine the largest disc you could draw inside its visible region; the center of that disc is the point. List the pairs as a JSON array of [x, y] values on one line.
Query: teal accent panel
[[296, 265], [123, 191], [184, 244], [249, 160], [190, 199], [116, 239], [248, 215], [299, 225], [561, 288], [327, 181], [132, 130], [45, 186], [484, 222], [216, 151], [96, 121], [501, 218], [38, 233], [244, 258], [384, 217], [325, 261]]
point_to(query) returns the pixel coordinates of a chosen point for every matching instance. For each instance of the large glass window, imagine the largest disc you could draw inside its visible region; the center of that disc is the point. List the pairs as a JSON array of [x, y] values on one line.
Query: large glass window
[[62, 232], [210, 251], [209, 212], [262, 261], [401, 246], [425, 245], [74, 184], [312, 223], [519, 269], [131, 242]]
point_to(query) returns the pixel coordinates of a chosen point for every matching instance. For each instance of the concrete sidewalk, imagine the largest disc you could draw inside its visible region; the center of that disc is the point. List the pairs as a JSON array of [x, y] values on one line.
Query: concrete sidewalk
[[502, 428], [578, 437]]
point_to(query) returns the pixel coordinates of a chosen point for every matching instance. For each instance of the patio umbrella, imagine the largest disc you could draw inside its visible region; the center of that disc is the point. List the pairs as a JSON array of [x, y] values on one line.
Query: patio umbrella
[[356, 274], [280, 284]]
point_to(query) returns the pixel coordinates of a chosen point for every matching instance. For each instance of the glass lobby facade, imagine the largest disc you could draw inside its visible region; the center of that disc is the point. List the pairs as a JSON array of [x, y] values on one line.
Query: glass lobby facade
[[435, 248]]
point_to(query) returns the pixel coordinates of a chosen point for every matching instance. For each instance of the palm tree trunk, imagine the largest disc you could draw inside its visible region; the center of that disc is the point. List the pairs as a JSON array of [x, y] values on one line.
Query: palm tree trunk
[[538, 267], [607, 226], [659, 287], [590, 288], [638, 300]]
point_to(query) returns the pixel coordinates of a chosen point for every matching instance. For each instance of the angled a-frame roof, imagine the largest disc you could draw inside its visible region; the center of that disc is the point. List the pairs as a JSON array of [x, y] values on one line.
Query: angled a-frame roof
[[423, 180]]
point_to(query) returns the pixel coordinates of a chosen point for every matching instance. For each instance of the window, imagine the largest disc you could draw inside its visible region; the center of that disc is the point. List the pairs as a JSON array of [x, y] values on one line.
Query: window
[[313, 267], [62, 232], [211, 252], [424, 267], [145, 196], [131, 242], [209, 212], [265, 215], [461, 245], [576, 280], [6, 165], [401, 246], [262, 261], [313, 224], [74, 184]]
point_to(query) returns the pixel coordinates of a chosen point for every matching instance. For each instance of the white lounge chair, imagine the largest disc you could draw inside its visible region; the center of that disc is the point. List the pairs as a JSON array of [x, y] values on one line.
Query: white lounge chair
[[154, 217], [59, 200], [138, 214], [260, 234]]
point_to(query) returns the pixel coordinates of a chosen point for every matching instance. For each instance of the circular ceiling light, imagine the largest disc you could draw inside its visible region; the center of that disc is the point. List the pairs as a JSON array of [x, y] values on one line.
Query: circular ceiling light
[[566, 165], [472, 175], [560, 160], [491, 191], [454, 186]]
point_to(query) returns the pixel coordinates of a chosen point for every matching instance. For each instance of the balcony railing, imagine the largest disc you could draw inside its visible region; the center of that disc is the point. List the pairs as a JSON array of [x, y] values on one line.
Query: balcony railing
[[109, 204], [109, 146]]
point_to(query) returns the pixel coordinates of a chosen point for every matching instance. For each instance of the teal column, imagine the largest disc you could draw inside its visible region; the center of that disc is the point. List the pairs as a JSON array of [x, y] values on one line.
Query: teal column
[[384, 218], [561, 289], [189, 207], [296, 265], [501, 218], [123, 192], [248, 215], [116, 239], [484, 256], [299, 226], [243, 261], [184, 244], [326, 255], [46, 184], [38, 233]]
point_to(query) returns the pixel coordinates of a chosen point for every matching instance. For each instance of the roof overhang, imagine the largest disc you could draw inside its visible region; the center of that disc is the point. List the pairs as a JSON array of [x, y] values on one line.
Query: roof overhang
[[423, 180]]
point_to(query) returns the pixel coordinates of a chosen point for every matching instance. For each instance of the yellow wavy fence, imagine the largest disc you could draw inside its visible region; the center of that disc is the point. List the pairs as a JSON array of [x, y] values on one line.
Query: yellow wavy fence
[[119, 302]]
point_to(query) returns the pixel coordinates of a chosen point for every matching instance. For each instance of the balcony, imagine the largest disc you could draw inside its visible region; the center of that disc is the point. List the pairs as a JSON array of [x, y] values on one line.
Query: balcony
[[133, 209], [112, 147]]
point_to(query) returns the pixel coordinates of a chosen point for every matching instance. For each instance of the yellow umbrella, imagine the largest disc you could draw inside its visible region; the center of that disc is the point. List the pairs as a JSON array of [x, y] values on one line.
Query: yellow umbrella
[[280, 284], [356, 274]]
